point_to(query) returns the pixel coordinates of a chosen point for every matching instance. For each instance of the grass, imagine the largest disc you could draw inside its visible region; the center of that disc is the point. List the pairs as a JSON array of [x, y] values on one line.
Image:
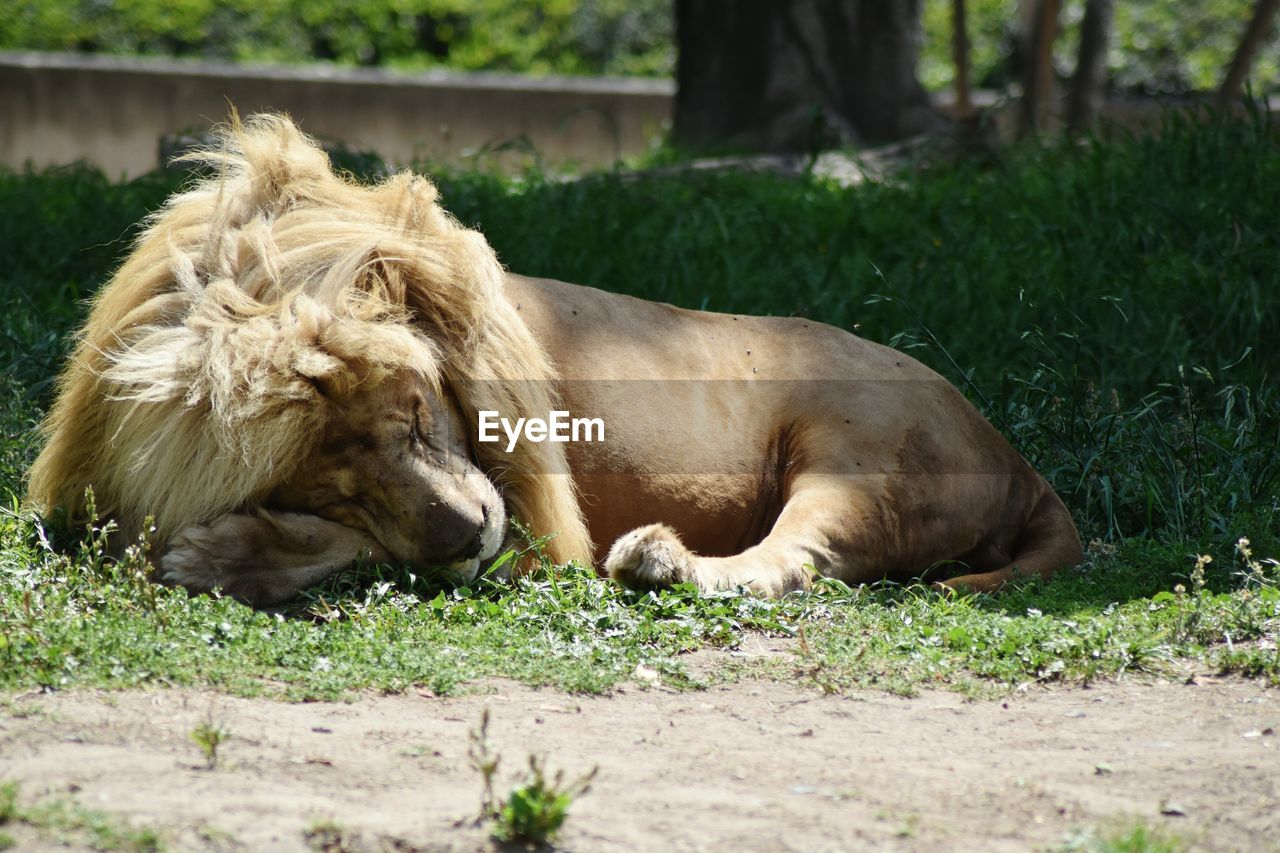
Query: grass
[[1138, 838], [329, 836], [67, 823], [1109, 306]]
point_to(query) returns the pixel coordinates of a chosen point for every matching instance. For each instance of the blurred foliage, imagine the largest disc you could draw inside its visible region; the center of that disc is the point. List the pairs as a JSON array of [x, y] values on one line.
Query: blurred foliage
[[540, 36], [1157, 46]]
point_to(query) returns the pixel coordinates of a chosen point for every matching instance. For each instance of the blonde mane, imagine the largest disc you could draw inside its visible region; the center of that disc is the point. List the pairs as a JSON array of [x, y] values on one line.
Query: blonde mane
[[252, 301]]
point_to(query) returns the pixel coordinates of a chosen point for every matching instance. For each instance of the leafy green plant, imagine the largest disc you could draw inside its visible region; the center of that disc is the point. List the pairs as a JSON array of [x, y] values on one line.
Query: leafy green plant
[[534, 810], [209, 735]]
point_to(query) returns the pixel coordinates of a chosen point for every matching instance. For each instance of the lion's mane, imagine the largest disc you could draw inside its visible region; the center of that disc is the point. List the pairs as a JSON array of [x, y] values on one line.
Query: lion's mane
[[254, 300]]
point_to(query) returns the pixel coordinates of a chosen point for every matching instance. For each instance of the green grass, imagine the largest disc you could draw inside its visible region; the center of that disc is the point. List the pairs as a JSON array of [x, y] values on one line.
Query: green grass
[[1111, 307], [1140, 838], [65, 822]]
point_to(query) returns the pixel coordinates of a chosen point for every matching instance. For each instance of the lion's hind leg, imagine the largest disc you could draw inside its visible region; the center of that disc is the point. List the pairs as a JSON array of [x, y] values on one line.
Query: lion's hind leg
[[1047, 543]]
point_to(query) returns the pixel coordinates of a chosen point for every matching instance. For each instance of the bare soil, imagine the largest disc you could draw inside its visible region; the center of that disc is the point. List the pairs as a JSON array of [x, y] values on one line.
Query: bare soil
[[754, 765]]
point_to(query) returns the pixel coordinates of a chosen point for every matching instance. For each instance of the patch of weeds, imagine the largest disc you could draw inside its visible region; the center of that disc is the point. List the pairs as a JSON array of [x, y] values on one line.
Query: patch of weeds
[[1127, 609], [328, 836], [209, 735], [535, 810], [815, 671], [217, 839], [1136, 839], [8, 802], [66, 822], [22, 710]]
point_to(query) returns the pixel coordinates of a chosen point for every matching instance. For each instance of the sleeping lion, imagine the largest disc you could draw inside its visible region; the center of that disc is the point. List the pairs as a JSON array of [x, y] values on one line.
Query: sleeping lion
[[290, 372]]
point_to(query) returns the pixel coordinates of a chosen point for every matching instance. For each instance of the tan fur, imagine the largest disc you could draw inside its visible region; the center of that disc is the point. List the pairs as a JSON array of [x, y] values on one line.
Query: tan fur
[[254, 300], [261, 311]]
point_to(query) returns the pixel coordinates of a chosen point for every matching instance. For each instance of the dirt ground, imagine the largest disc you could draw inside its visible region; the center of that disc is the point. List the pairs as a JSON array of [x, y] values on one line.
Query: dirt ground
[[751, 766]]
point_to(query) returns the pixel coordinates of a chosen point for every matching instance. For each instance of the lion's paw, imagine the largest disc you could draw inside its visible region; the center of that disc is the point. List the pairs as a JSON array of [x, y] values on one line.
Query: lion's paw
[[202, 558], [650, 557]]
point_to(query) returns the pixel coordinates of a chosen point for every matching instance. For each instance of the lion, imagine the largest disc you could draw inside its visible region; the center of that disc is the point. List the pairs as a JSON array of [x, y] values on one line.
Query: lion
[[288, 371]]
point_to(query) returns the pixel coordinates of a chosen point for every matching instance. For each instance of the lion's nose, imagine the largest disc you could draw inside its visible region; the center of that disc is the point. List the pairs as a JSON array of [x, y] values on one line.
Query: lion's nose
[[450, 533], [476, 545]]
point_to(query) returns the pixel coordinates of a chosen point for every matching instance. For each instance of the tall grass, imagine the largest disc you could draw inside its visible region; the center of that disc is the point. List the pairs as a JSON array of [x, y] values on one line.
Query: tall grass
[[1111, 307]]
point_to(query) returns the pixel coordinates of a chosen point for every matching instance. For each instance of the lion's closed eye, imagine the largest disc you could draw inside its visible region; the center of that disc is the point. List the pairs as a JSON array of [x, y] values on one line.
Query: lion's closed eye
[[423, 431], [415, 428]]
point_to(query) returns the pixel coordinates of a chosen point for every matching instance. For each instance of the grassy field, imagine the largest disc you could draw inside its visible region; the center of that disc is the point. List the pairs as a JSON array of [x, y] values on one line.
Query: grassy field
[[1110, 307]]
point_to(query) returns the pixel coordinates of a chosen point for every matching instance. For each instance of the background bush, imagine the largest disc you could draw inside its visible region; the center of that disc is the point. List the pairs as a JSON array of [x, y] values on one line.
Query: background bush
[[1159, 46], [539, 37]]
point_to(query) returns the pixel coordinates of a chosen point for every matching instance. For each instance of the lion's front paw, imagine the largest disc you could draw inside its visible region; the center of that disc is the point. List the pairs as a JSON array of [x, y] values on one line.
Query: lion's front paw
[[201, 559], [650, 557]]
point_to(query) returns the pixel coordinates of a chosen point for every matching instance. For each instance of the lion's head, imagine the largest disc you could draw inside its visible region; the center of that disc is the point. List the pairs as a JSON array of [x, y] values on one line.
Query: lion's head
[[268, 339], [395, 461]]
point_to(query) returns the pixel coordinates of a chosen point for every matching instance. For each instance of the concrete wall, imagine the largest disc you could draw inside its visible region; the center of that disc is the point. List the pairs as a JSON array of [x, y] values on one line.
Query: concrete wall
[[58, 108]]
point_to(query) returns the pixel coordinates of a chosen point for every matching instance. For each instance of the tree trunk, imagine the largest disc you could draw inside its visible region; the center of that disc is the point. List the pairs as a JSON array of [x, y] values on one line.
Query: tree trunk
[[960, 56], [1254, 35], [1037, 81], [794, 76], [1091, 64]]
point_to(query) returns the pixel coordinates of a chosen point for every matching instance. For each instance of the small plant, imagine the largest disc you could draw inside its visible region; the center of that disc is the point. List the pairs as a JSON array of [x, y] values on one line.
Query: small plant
[[814, 669], [1256, 573], [330, 836], [8, 812], [486, 762], [8, 802], [535, 810], [209, 735]]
